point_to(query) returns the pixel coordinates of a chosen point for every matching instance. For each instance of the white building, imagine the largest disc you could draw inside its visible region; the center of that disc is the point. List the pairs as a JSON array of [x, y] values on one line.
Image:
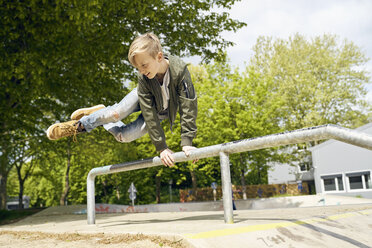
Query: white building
[[13, 203], [335, 168], [341, 168], [295, 173], [285, 173]]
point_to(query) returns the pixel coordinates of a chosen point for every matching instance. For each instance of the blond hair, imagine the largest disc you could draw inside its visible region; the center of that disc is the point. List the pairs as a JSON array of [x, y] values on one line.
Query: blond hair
[[147, 42]]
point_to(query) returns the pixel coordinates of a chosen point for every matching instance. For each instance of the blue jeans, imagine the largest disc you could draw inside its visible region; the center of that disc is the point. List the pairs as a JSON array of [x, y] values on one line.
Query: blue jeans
[[111, 116]]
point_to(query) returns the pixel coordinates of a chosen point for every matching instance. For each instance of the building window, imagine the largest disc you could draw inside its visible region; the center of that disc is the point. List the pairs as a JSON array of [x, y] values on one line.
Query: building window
[[359, 180], [333, 183], [356, 182], [329, 184]]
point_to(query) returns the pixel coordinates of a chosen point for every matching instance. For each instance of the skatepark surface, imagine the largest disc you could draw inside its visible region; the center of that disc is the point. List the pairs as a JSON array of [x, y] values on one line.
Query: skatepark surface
[[344, 222]]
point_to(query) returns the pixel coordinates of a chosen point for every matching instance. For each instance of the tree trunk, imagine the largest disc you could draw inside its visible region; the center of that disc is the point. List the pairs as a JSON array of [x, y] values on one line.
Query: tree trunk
[[104, 183], [21, 180], [64, 195], [3, 195], [242, 178], [158, 188], [194, 184], [244, 187], [21, 188], [20, 195], [117, 192], [4, 172]]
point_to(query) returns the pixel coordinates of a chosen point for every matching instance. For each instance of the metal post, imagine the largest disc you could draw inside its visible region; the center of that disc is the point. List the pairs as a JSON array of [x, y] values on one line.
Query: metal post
[[91, 208], [226, 188]]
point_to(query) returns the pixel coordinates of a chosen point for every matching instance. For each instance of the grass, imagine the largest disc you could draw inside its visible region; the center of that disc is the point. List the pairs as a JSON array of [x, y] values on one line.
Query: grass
[[11, 216]]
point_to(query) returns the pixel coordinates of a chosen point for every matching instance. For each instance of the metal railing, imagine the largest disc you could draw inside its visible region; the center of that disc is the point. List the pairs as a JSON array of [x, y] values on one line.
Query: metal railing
[[223, 150]]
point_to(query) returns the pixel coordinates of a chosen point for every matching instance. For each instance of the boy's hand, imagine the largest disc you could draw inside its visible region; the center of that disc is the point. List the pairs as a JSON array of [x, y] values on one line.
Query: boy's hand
[[187, 149], [166, 157]]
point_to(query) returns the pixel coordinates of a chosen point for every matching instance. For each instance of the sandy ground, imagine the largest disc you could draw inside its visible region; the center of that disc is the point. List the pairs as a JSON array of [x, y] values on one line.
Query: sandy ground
[[54, 231], [12, 239]]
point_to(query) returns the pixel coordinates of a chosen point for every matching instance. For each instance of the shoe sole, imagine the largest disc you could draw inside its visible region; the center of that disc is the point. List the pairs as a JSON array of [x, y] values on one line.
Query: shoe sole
[[78, 114]]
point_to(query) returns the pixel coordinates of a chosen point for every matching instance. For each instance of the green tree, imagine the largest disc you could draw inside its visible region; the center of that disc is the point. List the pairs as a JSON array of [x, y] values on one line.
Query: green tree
[[317, 81], [56, 56], [314, 82], [45, 184], [24, 165]]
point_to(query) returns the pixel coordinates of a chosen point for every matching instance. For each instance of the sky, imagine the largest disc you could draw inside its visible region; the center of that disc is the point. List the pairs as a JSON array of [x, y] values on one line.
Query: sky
[[348, 19]]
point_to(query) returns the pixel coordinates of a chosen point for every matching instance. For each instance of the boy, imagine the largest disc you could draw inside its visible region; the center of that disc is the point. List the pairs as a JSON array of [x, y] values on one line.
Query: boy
[[164, 86]]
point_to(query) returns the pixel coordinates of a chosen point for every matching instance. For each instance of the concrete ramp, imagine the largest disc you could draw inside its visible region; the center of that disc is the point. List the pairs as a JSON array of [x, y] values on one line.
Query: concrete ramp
[[337, 225]]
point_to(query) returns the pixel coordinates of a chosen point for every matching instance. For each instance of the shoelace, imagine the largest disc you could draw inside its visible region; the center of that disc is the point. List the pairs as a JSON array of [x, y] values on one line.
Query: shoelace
[[74, 138], [71, 129], [76, 131]]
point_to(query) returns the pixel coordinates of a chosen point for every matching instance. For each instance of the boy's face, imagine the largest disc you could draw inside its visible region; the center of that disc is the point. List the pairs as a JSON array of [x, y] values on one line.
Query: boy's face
[[147, 65]]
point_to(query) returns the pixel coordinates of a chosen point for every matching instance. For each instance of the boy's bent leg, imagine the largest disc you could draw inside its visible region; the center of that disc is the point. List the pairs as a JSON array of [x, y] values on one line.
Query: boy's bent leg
[[78, 114], [127, 133], [112, 114]]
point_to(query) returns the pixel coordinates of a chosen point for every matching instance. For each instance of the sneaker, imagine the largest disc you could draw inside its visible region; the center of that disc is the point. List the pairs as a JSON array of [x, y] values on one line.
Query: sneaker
[[64, 129], [85, 111]]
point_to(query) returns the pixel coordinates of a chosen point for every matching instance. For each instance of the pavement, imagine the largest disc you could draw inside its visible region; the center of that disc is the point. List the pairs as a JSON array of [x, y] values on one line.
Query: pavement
[[346, 224]]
